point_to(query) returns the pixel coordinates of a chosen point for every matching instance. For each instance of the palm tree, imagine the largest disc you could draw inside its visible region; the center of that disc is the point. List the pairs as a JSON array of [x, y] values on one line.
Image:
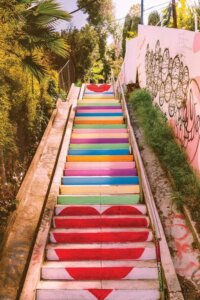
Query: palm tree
[[38, 33]]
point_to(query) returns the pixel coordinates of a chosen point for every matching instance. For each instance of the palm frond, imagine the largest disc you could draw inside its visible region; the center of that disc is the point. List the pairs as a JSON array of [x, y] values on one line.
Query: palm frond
[[46, 12], [31, 63], [58, 46]]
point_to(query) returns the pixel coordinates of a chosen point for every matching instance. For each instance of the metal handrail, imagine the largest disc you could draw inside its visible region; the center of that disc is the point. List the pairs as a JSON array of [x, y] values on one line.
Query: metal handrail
[[144, 180]]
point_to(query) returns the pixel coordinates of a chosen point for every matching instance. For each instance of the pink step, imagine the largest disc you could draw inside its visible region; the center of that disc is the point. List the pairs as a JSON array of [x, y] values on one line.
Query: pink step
[[103, 172], [99, 165]]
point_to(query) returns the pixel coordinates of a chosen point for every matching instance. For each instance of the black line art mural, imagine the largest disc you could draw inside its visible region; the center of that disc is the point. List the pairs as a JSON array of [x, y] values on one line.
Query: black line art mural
[[177, 95]]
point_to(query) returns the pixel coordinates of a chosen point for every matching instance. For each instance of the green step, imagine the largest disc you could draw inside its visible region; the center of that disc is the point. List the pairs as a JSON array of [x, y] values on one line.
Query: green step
[[98, 126], [99, 146], [96, 200]]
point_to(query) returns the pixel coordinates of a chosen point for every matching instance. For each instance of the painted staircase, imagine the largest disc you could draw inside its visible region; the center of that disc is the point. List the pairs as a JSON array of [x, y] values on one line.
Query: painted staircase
[[101, 245]]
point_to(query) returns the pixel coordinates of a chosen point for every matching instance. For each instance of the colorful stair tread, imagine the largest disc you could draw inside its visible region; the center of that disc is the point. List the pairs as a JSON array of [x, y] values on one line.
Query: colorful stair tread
[[99, 140], [101, 200], [99, 152], [99, 146], [99, 189], [100, 165], [100, 221], [96, 180], [102, 172], [100, 210], [101, 244]]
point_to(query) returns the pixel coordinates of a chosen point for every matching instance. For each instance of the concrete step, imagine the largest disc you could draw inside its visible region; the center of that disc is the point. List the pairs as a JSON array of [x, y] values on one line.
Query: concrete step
[[100, 165], [99, 270], [99, 152], [101, 251], [102, 140], [99, 189], [102, 172], [100, 221], [100, 158], [100, 135], [103, 210], [99, 146], [100, 235], [99, 290], [115, 199], [99, 180], [98, 126], [100, 111], [98, 114]]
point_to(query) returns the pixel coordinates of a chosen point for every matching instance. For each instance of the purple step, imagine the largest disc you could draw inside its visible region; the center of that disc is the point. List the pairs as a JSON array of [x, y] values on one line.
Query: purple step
[[99, 141], [104, 172]]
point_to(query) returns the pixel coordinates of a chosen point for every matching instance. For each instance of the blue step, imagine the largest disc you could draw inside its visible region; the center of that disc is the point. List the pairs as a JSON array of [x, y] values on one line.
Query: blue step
[[99, 152], [98, 114], [88, 180]]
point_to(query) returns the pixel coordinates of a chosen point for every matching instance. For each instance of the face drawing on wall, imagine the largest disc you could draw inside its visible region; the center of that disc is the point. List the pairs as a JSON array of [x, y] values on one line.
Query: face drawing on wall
[[170, 65], [168, 88], [175, 72], [165, 64], [157, 49], [185, 81], [172, 105], [181, 72], [162, 94], [179, 95], [156, 71]]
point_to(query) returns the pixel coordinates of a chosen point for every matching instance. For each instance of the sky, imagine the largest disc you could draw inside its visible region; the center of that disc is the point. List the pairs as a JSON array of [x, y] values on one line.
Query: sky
[[121, 7]]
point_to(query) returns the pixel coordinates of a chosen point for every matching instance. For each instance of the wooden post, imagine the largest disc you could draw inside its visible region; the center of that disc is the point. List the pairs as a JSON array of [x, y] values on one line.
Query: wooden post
[[174, 13]]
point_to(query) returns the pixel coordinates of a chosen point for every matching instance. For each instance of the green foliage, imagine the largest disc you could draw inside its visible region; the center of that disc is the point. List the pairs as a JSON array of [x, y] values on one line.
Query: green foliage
[[185, 16], [172, 157], [154, 18], [82, 44], [131, 23], [28, 83], [100, 12], [101, 16]]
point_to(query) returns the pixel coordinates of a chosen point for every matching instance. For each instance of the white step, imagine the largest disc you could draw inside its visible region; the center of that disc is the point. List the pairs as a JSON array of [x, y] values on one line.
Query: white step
[[98, 270], [101, 251], [93, 290], [107, 235]]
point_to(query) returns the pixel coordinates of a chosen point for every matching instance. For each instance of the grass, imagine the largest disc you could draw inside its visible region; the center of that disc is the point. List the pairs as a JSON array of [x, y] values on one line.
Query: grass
[[172, 157]]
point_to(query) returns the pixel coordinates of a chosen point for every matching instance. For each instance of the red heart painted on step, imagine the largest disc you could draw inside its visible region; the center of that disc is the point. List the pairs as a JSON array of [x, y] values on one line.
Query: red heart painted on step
[[100, 294], [89, 210], [98, 88]]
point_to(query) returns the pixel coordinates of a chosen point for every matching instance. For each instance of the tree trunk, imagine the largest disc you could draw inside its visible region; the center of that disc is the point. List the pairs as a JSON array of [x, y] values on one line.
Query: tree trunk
[[2, 168]]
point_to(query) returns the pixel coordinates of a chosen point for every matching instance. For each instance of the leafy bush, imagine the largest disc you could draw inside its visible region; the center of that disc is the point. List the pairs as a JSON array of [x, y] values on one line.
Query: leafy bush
[[172, 157]]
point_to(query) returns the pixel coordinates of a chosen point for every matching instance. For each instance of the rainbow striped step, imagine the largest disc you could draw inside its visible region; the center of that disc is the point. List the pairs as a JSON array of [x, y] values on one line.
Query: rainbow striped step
[[101, 245]]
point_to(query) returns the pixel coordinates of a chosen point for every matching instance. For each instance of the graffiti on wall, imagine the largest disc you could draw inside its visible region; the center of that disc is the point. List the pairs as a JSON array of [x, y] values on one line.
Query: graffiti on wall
[[168, 80]]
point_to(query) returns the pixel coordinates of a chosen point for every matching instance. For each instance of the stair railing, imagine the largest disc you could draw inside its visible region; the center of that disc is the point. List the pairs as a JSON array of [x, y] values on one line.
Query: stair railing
[[144, 183], [66, 76]]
